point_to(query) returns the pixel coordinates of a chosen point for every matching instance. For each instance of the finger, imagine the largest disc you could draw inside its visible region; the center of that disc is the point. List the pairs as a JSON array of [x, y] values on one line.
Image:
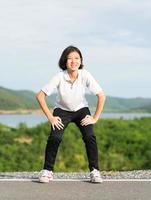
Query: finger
[[84, 123], [57, 126], [61, 124], [59, 119], [53, 127], [87, 123], [83, 120]]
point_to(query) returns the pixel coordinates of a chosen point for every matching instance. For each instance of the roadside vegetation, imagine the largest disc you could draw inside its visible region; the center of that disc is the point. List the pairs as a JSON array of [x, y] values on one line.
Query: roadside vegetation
[[122, 144]]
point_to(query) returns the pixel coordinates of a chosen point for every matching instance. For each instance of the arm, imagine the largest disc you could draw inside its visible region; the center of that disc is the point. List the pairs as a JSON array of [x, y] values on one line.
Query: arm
[[93, 119], [54, 120], [100, 105]]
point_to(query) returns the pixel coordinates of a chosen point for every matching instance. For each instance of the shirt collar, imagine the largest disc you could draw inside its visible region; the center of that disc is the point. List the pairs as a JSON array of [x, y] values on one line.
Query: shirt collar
[[67, 77]]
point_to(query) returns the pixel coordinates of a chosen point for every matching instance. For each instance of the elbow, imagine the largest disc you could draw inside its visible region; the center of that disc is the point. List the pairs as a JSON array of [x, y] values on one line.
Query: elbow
[[40, 96]]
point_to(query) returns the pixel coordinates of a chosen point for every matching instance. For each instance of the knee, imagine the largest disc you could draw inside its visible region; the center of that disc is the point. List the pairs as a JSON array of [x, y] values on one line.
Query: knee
[[89, 138]]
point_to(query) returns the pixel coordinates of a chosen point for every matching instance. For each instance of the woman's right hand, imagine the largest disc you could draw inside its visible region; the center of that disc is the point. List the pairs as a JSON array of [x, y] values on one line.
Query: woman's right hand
[[56, 122]]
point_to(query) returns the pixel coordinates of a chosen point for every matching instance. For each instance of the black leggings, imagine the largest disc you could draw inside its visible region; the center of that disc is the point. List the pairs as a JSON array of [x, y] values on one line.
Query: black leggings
[[55, 137]]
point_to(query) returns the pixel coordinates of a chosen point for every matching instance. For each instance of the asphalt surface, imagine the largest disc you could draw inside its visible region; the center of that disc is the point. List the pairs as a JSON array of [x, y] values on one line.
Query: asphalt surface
[[75, 190]]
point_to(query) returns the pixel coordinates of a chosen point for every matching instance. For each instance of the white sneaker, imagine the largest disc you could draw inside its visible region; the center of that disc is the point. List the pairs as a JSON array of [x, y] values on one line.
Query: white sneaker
[[95, 176], [45, 176]]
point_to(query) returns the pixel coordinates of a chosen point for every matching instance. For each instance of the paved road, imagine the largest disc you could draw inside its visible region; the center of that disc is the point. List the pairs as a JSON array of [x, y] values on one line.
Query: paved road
[[75, 190]]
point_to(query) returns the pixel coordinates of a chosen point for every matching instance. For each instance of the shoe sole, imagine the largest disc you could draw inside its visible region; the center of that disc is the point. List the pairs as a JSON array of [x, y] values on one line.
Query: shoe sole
[[96, 181], [45, 181]]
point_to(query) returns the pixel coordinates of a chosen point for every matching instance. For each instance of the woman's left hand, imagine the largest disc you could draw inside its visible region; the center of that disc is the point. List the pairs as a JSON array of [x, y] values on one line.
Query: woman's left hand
[[88, 119]]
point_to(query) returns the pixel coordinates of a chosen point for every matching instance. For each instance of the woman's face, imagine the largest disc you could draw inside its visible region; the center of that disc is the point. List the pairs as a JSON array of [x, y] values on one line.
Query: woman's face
[[73, 61]]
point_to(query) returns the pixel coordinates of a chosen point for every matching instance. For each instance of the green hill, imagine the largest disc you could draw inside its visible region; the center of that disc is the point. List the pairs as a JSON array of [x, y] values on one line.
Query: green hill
[[12, 99], [25, 99], [139, 104]]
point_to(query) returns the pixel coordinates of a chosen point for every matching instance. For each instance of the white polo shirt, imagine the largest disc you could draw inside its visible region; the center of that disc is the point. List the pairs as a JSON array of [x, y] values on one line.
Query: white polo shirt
[[71, 96]]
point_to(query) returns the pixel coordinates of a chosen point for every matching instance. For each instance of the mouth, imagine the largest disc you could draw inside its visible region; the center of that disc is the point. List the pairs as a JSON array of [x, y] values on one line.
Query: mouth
[[74, 66]]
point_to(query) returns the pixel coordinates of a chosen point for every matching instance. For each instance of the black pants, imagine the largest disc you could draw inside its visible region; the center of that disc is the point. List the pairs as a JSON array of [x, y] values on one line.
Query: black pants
[[56, 136]]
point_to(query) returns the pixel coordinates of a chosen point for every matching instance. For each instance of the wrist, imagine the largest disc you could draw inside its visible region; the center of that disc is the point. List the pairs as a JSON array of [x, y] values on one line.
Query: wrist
[[50, 118], [95, 118]]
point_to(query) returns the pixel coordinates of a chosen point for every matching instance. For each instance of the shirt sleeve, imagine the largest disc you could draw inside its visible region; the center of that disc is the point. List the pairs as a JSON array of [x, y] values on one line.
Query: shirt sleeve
[[49, 88], [92, 84]]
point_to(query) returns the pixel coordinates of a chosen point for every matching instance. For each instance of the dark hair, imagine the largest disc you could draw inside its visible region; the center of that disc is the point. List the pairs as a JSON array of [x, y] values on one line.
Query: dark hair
[[65, 53]]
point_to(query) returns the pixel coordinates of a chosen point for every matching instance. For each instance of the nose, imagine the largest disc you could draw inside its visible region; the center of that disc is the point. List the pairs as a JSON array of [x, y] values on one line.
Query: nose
[[73, 60]]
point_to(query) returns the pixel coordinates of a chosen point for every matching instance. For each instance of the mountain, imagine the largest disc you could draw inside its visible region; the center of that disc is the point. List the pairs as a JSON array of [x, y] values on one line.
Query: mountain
[[25, 99]]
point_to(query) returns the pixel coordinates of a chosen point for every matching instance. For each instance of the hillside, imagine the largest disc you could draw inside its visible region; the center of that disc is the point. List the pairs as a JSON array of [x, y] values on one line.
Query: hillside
[[139, 104], [25, 99], [12, 99]]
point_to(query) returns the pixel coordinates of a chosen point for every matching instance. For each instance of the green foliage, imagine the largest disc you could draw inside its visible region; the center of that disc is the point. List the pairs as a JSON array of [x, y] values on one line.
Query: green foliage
[[122, 145]]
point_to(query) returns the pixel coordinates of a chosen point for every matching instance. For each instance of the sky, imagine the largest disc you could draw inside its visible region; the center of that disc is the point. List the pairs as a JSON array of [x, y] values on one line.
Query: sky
[[114, 37]]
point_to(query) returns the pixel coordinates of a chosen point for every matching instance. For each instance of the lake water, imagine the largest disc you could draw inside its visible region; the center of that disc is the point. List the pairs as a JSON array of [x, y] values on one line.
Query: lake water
[[32, 120]]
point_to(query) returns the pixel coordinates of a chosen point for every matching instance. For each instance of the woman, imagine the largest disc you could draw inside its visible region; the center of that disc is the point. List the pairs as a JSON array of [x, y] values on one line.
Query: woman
[[71, 106]]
